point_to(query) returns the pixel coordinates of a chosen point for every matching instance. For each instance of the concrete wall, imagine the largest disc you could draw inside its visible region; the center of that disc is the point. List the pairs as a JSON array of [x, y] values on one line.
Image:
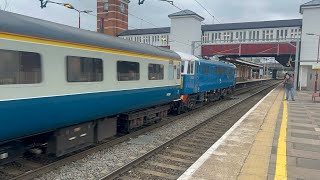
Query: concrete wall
[[303, 76], [308, 78], [309, 46], [185, 30]]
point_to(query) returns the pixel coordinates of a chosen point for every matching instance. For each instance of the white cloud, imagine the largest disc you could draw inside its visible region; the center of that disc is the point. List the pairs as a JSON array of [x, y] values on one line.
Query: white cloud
[[157, 12]]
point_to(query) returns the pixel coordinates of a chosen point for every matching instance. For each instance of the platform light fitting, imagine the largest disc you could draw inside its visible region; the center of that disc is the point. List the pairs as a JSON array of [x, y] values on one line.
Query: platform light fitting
[[69, 6]]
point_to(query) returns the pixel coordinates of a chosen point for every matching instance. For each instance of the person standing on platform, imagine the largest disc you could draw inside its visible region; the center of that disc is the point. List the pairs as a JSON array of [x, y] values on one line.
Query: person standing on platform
[[288, 83]]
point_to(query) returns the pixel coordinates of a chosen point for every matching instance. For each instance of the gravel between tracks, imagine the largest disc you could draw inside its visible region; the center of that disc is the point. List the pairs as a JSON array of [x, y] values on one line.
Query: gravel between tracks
[[103, 162]]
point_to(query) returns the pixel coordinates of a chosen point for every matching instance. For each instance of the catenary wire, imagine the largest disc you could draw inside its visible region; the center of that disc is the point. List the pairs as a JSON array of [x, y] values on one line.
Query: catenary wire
[[207, 11]]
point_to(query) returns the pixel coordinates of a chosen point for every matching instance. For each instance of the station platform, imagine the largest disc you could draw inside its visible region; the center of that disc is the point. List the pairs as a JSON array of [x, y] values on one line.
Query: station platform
[[251, 80], [243, 84], [276, 139]]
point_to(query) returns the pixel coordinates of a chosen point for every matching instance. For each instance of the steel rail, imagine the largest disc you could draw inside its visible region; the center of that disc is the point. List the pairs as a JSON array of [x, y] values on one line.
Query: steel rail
[[107, 144], [115, 174]]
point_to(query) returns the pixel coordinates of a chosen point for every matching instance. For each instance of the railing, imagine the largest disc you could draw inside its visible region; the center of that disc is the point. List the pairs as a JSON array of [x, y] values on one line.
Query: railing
[[250, 41]]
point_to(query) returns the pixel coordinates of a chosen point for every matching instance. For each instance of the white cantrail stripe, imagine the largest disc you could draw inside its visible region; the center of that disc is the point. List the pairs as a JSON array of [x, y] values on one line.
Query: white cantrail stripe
[[57, 95], [191, 170]]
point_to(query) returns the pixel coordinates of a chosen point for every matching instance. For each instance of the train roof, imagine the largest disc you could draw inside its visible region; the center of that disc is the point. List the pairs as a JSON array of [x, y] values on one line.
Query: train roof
[[187, 57], [220, 63], [27, 26]]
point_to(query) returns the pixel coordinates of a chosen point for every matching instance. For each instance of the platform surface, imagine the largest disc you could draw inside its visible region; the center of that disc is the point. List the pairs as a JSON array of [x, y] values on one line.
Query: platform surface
[[251, 81], [276, 139]]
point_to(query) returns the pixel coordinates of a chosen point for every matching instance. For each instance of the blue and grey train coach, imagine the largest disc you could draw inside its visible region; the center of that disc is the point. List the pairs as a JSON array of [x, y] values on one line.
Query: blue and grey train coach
[[56, 79], [64, 88]]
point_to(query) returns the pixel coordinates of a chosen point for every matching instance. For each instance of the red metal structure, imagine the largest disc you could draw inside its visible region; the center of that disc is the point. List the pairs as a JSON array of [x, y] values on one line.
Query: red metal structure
[[262, 49], [282, 51]]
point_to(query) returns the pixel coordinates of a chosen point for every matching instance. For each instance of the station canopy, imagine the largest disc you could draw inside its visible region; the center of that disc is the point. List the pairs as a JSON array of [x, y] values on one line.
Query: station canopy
[[242, 62]]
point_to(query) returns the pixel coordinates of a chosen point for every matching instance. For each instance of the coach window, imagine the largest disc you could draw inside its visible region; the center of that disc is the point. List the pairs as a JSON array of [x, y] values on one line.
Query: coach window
[[84, 69], [128, 71], [17, 67], [155, 71]]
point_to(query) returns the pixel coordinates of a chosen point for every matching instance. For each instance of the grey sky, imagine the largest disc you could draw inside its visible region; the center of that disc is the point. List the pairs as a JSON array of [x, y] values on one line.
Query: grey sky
[[156, 12]]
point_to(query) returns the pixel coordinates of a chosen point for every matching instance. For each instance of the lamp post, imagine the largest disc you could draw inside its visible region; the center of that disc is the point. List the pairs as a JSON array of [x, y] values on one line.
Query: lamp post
[[67, 5], [316, 81]]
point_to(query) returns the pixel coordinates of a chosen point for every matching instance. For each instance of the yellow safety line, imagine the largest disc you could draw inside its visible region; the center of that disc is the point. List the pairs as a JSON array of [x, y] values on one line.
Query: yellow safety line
[[281, 165]]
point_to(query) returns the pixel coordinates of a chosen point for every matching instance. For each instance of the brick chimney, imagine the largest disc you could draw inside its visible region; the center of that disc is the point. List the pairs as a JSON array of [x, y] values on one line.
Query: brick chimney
[[112, 16]]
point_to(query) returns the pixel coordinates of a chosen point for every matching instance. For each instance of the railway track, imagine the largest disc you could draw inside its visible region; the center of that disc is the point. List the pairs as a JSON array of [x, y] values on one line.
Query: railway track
[[31, 167], [172, 159]]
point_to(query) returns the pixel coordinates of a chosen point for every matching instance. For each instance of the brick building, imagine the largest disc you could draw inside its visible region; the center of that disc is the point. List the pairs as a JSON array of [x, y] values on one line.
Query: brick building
[[112, 16]]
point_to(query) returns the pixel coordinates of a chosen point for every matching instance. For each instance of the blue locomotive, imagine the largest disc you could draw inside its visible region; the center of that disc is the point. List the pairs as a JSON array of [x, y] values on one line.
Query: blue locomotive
[[63, 88], [205, 80]]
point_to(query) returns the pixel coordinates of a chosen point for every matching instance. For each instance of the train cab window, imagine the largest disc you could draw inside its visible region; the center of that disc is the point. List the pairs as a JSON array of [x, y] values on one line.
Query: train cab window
[[128, 71], [178, 73], [17, 67], [156, 71], [190, 67], [84, 69]]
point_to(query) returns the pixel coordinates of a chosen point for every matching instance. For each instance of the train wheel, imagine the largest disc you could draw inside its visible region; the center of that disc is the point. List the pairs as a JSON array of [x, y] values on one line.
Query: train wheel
[[191, 102]]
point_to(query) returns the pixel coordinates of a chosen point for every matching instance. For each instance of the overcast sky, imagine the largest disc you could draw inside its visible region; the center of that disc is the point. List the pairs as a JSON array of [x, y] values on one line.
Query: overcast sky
[[156, 12]]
